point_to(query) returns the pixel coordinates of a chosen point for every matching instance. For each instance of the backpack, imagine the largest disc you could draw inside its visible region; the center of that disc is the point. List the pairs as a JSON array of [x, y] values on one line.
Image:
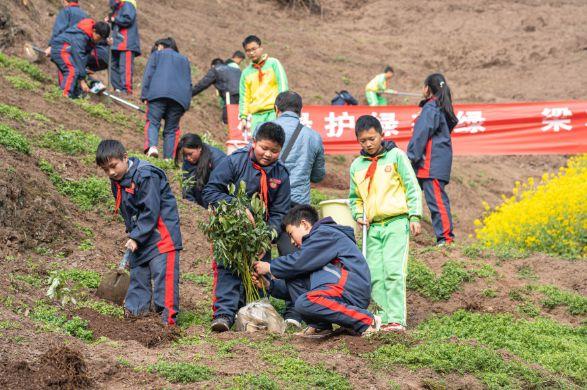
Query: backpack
[[344, 98]]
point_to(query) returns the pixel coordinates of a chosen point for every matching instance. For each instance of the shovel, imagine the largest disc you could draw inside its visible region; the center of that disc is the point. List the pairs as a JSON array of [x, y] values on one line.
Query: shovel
[[364, 246], [114, 284], [97, 88], [33, 53]]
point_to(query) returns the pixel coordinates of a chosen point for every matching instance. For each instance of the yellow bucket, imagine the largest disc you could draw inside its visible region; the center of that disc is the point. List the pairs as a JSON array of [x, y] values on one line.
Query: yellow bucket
[[340, 211]]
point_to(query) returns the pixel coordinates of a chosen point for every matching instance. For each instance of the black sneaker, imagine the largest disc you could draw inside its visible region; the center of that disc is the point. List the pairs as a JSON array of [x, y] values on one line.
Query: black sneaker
[[220, 324]]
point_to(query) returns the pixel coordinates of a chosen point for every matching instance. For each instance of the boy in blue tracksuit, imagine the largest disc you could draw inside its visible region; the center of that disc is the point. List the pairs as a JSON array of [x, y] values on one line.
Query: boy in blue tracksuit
[[70, 51], [69, 16], [167, 90], [328, 278], [98, 57], [258, 166], [430, 152], [126, 43], [145, 201]]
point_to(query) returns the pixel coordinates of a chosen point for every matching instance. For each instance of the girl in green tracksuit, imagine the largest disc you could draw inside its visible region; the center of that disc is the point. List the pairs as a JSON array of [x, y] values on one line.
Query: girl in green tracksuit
[[384, 187]]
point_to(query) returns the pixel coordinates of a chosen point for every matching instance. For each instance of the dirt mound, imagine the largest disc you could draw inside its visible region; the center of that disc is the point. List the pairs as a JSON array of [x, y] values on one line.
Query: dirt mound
[[59, 367], [148, 330], [31, 213]]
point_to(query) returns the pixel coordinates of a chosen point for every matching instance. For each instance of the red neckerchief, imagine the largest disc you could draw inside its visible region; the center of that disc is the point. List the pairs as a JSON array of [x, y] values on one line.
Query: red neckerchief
[[263, 186], [118, 197], [371, 171], [73, 5], [259, 65]]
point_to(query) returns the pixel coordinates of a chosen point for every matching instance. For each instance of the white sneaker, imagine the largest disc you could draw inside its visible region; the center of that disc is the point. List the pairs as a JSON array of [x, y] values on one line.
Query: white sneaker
[[393, 327], [290, 322], [374, 327], [153, 152]]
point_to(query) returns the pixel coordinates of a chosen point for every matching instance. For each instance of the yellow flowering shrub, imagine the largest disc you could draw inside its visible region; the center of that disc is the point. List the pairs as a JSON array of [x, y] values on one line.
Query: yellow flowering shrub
[[549, 215]]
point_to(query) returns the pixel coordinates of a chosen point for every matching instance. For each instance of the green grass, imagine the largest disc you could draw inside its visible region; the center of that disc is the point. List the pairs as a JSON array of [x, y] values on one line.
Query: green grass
[[13, 140], [473, 343], [99, 110], [53, 321], [316, 197], [87, 193], [84, 278], [53, 94], [72, 142], [8, 111], [422, 279], [200, 316], [554, 296], [31, 279], [200, 280], [24, 66], [254, 382], [103, 307], [158, 162], [181, 372], [23, 83]]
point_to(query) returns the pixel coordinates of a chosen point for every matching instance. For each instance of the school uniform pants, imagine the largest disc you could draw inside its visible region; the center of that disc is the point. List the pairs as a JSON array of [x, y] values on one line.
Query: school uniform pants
[[326, 305], [259, 118], [285, 247], [67, 74], [170, 111], [121, 69], [439, 206], [156, 281], [375, 99], [387, 257]]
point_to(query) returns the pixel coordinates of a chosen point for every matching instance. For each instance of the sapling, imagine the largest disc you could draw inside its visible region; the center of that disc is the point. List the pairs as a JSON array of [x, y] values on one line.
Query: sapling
[[236, 241]]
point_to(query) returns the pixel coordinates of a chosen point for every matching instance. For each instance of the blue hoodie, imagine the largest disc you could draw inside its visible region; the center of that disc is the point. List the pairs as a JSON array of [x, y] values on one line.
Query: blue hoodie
[[239, 167], [125, 29], [149, 210], [430, 149], [168, 75], [329, 255], [79, 39], [68, 17], [193, 193]]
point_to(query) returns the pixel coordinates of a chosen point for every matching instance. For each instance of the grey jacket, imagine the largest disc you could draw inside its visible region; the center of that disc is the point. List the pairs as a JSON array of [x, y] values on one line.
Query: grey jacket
[[306, 159]]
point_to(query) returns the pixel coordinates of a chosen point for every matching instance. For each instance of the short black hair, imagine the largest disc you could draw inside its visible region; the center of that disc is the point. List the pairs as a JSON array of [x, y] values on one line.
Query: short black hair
[[289, 101], [168, 43], [299, 212], [102, 29], [250, 39], [238, 54], [388, 68], [272, 132], [109, 149], [217, 61], [366, 122]]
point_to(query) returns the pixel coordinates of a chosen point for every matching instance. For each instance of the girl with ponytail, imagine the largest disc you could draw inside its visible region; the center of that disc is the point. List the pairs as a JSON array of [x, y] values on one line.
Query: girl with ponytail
[[430, 151], [199, 159]]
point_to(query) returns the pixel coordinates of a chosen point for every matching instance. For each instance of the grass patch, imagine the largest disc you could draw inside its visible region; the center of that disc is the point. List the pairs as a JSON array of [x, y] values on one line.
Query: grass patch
[[527, 272], [181, 372], [99, 110], [8, 111], [422, 279], [316, 197], [86, 193], [53, 321], [13, 140], [254, 381], [85, 279], [200, 280], [23, 83], [32, 280], [103, 308], [158, 162], [576, 304], [53, 94], [200, 316], [24, 66], [72, 142], [297, 373]]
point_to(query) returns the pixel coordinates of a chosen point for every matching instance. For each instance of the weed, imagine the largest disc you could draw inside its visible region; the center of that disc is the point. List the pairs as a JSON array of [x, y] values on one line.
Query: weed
[[8, 111], [254, 382], [53, 94], [103, 307], [33, 280], [164, 164], [200, 280], [519, 294], [86, 245], [486, 271], [422, 279], [24, 66], [201, 315], [528, 308], [316, 197], [86, 279], [22, 83], [489, 293], [554, 296], [72, 142], [527, 272], [181, 372], [224, 347], [53, 321], [346, 80], [122, 361], [40, 117], [99, 110], [13, 140]]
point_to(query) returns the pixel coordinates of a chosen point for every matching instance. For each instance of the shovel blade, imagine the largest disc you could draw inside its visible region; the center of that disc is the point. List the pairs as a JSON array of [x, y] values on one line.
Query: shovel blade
[[113, 286]]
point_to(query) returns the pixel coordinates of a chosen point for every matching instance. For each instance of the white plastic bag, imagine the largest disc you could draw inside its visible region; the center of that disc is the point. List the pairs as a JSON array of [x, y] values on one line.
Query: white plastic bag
[[259, 316]]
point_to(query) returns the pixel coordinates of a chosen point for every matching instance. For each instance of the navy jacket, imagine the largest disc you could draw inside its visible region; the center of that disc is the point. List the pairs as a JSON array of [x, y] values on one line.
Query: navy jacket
[[225, 78], [168, 75], [68, 17], [430, 149], [125, 31], [98, 57], [79, 45], [239, 167], [190, 191], [328, 255], [149, 210]]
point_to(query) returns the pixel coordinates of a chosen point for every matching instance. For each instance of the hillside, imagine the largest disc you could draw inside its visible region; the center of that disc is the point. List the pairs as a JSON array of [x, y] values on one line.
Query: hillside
[[504, 319]]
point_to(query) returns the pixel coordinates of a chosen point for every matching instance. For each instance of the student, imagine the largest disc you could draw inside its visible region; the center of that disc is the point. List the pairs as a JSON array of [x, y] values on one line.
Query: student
[[376, 87], [260, 84], [126, 43], [384, 187], [199, 160], [328, 278], [430, 151], [145, 201], [226, 80], [98, 57], [258, 166], [235, 61], [70, 51], [167, 90], [69, 16]]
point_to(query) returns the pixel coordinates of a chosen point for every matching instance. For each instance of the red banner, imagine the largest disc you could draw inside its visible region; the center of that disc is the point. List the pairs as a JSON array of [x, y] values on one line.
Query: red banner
[[498, 129]]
